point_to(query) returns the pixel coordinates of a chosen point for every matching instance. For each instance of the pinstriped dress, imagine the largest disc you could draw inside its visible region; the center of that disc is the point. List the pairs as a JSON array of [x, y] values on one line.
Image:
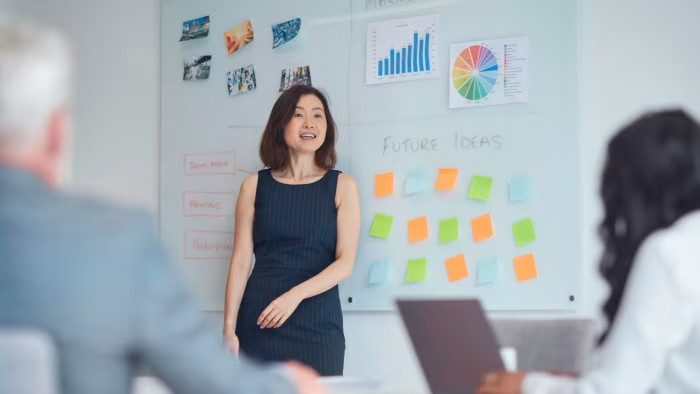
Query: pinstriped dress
[[294, 238]]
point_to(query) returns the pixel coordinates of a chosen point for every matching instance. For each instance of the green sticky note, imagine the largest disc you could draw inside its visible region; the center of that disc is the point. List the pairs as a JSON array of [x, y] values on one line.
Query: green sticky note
[[524, 232], [415, 271], [449, 230], [381, 226], [480, 188]]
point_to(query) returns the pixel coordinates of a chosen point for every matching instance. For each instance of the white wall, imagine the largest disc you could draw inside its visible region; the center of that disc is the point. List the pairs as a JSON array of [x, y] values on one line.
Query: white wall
[[117, 106], [634, 56]]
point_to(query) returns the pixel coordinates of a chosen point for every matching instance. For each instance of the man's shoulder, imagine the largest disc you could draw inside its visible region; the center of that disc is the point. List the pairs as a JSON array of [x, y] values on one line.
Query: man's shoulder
[[93, 212], [90, 220], [103, 238], [77, 227]]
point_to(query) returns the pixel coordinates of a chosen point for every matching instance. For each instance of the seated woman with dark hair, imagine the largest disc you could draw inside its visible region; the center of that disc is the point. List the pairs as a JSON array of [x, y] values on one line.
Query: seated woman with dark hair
[[651, 231]]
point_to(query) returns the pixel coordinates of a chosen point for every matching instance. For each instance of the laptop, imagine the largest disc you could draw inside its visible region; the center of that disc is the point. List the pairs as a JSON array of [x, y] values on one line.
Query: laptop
[[453, 341]]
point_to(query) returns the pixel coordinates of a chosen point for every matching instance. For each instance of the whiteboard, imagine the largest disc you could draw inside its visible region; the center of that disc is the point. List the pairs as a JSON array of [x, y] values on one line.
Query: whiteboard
[[209, 143]]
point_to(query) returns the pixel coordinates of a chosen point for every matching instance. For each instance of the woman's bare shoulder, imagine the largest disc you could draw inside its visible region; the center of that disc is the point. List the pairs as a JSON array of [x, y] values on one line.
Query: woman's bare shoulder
[[249, 185]]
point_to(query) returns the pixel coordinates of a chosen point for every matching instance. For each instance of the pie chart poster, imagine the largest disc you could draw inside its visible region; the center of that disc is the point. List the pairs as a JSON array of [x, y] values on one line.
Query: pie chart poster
[[488, 72]]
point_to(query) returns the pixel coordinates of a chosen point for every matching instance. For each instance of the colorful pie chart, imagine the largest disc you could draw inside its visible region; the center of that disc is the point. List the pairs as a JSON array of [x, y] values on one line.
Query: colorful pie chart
[[474, 72]]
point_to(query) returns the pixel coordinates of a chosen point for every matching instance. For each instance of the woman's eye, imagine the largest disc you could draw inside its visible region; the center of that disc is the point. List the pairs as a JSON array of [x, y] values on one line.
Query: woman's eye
[[298, 115], [318, 116]]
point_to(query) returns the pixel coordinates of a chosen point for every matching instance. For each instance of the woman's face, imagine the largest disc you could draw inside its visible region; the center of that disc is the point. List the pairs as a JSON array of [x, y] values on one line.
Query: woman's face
[[306, 131]]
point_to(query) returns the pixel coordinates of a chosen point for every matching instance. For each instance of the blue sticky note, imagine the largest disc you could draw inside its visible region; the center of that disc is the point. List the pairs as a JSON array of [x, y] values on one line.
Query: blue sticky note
[[487, 271], [519, 189], [418, 182], [379, 273]]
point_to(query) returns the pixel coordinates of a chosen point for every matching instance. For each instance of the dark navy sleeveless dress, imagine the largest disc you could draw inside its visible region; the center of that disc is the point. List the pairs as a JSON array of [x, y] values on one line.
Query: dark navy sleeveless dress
[[294, 237]]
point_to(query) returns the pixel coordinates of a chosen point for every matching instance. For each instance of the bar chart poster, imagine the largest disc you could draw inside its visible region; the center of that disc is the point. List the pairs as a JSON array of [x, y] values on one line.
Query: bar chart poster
[[402, 50], [488, 72]]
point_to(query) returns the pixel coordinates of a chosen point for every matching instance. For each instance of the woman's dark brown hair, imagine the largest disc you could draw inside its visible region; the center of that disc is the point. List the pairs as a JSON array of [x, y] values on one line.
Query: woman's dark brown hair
[[650, 180], [273, 150]]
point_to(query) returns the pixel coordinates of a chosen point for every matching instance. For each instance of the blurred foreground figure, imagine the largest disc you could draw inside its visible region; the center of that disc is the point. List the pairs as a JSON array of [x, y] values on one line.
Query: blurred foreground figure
[[90, 275], [650, 189]]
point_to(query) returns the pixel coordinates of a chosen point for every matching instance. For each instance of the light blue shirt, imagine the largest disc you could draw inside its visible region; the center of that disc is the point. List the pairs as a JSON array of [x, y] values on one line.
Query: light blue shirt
[[95, 279]]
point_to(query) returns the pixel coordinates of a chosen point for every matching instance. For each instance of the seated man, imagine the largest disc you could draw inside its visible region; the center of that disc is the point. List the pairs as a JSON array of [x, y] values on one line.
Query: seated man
[[90, 275]]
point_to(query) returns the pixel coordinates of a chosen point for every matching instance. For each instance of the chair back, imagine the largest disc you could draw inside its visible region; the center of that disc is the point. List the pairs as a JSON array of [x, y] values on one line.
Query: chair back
[[27, 362], [548, 345]]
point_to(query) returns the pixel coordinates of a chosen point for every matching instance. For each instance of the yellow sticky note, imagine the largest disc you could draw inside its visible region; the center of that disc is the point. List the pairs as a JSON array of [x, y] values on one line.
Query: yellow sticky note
[[446, 178], [456, 268], [384, 184], [525, 267], [417, 229], [482, 228]]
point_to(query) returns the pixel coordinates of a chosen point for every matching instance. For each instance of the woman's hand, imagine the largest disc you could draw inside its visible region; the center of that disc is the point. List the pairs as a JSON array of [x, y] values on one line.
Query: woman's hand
[[501, 383], [231, 341], [279, 310], [305, 378]]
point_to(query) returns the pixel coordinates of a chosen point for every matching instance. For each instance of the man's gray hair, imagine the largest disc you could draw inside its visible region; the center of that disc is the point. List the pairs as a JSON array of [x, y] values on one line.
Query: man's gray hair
[[35, 80]]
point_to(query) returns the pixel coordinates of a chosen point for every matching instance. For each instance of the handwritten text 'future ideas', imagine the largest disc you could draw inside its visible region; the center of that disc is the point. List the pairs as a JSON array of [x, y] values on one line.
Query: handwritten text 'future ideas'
[[425, 144]]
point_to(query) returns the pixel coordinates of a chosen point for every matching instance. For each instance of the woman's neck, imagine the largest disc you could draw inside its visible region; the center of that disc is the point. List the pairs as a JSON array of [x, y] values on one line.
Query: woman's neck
[[300, 168]]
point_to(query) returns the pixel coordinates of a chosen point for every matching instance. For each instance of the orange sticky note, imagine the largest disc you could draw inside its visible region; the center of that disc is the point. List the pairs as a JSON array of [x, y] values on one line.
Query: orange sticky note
[[446, 179], [482, 228], [525, 267], [456, 268], [384, 184], [417, 229]]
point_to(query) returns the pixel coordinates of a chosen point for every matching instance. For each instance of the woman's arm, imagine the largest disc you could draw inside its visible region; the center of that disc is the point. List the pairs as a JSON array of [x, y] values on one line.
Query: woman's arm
[[241, 259], [348, 230]]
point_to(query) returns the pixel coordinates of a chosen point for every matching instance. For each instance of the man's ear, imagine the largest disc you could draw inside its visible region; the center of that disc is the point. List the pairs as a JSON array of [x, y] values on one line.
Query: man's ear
[[57, 136], [55, 146]]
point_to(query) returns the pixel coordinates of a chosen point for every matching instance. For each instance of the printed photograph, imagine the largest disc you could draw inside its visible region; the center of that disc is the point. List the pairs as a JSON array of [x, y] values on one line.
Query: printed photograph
[[196, 67], [238, 37], [295, 76], [284, 32], [241, 80], [195, 28]]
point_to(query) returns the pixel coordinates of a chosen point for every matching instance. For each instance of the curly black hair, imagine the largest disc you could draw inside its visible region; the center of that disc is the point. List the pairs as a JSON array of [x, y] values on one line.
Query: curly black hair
[[651, 178]]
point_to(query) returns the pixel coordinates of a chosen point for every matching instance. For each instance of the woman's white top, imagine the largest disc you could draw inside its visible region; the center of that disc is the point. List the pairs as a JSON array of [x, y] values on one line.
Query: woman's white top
[[654, 344]]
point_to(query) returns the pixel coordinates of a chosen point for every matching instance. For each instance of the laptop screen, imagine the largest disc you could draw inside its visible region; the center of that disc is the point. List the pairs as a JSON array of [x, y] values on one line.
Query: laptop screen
[[453, 342]]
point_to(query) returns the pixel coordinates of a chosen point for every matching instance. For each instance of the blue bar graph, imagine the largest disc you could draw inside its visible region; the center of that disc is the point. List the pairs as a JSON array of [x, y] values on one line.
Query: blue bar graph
[[420, 58], [410, 58], [403, 60], [391, 57], [415, 52], [427, 55]]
